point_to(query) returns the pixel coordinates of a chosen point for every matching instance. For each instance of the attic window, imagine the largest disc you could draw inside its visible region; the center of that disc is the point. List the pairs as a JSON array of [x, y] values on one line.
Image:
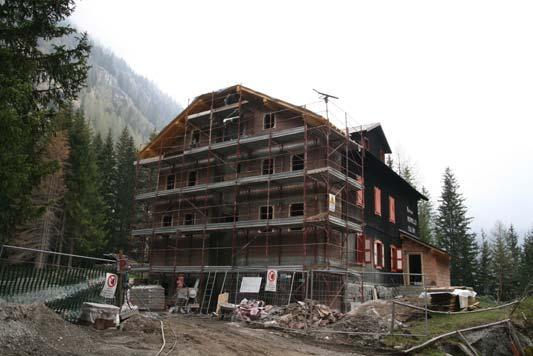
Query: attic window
[[297, 163], [269, 121], [195, 138]]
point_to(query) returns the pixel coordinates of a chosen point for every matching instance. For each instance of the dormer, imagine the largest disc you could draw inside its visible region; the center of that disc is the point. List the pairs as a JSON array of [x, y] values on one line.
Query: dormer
[[373, 139]]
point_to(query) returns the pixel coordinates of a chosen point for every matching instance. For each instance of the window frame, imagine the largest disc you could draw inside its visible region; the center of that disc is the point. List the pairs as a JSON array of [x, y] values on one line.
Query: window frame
[[195, 138], [368, 250], [185, 220], [302, 155], [271, 166], [163, 223], [173, 181], [268, 207], [189, 178], [271, 121], [291, 206]]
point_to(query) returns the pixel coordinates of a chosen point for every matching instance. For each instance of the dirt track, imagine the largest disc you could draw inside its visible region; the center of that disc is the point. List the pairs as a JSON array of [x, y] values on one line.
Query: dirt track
[[36, 330], [205, 336]]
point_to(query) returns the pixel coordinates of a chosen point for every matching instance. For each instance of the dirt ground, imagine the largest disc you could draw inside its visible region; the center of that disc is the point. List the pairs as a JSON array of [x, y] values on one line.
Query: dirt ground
[[36, 330]]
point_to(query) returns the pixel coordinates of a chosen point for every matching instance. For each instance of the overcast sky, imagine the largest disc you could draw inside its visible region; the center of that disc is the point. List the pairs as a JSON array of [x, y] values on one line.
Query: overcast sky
[[450, 81]]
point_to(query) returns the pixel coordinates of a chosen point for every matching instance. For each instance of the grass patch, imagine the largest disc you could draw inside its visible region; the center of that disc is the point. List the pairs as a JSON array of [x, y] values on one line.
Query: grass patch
[[440, 323]]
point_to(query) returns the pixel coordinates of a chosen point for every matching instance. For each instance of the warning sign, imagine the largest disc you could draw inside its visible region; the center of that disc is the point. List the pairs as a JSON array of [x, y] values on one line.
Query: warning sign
[[110, 285], [272, 280]]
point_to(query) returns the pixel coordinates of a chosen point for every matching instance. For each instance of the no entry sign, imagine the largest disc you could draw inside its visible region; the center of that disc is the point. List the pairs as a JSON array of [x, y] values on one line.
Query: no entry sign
[[272, 280], [110, 285]]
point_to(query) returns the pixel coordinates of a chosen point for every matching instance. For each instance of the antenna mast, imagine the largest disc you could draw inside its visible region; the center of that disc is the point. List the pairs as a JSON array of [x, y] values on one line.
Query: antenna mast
[[326, 98]]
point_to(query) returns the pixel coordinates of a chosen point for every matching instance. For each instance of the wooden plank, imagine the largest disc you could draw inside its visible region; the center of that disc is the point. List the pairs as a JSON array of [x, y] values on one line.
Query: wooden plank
[[214, 111]]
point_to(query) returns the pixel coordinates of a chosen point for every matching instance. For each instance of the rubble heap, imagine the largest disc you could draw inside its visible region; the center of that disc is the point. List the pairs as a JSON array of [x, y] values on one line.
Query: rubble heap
[[291, 316]]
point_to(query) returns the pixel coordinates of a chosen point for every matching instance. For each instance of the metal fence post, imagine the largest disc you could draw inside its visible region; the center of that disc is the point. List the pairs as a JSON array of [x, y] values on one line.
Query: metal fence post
[[425, 304]]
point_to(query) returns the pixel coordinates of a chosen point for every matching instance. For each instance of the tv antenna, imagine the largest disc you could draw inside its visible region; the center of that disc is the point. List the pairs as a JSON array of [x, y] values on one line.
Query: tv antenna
[[326, 98]]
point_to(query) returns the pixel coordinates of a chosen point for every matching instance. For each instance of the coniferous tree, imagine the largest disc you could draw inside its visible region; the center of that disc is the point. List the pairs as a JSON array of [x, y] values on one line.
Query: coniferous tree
[[106, 161], [425, 217], [516, 255], [32, 82], [85, 212], [452, 230], [485, 278], [125, 186], [527, 261], [502, 263]]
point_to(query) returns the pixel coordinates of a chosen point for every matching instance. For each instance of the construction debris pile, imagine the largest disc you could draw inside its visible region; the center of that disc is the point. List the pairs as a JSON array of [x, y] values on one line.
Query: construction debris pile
[[292, 316]]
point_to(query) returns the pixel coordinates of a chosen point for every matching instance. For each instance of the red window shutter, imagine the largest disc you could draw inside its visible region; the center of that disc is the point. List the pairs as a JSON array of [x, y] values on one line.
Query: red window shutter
[[360, 249], [379, 256], [360, 200], [392, 210], [393, 259], [368, 251], [399, 259], [377, 201]]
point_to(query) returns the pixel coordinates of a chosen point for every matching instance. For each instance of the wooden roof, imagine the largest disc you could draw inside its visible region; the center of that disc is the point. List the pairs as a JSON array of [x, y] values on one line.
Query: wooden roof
[[203, 102]]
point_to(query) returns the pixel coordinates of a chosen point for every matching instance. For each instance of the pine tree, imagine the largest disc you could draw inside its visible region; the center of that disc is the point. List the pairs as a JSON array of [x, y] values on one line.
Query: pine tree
[[125, 186], [527, 261], [390, 162], [106, 161], [502, 263], [425, 217], [485, 278], [516, 255], [407, 174], [33, 82], [85, 219], [452, 230]]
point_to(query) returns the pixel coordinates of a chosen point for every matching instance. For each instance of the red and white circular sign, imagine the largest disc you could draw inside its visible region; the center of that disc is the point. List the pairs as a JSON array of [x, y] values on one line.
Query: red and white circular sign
[[272, 275], [111, 280]]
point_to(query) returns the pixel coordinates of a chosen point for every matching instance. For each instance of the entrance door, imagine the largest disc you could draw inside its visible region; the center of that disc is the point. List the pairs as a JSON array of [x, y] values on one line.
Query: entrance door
[[415, 267]]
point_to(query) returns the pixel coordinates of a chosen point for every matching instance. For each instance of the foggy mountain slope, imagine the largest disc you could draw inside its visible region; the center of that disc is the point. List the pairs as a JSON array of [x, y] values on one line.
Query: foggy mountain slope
[[116, 96]]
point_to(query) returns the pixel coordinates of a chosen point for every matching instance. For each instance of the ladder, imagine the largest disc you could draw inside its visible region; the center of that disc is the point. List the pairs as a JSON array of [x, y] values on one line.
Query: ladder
[[208, 292]]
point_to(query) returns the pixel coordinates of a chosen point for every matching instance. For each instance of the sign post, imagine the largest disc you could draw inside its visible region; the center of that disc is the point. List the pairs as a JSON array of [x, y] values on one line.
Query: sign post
[[272, 280], [110, 285]]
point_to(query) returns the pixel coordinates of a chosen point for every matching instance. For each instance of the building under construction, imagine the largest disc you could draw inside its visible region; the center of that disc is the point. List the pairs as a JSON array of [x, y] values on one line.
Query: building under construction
[[241, 181]]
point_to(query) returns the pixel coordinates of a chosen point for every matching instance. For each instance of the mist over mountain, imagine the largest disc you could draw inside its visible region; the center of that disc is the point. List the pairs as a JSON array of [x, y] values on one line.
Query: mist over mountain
[[116, 97]]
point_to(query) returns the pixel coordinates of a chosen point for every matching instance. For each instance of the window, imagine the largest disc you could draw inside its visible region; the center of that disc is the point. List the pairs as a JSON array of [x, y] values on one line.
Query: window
[[266, 212], [392, 210], [267, 166], [167, 220], [269, 121], [188, 219], [368, 251], [395, 259], [297, 163], [379, 254], [360, 200], [296, 209], [377, 201], [195, 138], [366, 143], [360, 249], [170, 181], [192, 178]]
